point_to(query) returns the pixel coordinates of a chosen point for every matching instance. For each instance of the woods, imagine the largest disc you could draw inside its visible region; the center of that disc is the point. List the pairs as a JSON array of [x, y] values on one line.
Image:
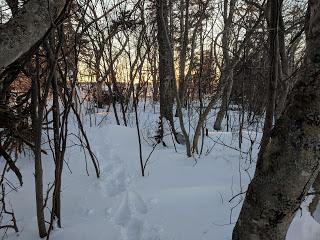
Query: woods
[[190, 77]]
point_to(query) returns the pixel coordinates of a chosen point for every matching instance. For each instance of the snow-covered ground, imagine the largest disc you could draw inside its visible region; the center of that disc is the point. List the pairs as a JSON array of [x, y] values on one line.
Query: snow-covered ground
[[180, 198]]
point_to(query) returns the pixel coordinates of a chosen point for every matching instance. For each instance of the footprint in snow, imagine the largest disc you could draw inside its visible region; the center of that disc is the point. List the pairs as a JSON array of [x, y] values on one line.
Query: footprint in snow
[[115, 183], [128, 217], [134, 229], [138, 203], [114, 177], [123, 213]]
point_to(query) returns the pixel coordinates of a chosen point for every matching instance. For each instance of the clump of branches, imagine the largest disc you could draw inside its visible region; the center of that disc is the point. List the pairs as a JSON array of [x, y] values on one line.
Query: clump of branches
[[37, 94]]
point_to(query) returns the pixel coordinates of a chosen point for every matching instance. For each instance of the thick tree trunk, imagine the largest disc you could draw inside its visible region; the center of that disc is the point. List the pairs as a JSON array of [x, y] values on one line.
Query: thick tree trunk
[[26, 29], [290, 163]]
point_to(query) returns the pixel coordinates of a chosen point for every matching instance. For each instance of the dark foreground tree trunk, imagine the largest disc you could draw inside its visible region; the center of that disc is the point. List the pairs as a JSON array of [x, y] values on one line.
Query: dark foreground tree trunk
[[290, 162]]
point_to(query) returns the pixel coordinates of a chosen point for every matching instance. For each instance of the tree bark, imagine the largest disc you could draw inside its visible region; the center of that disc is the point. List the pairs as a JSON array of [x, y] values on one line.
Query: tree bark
[[13, 5], [227, 72], [37, 116], [56, 199], [184, 28], [155, 82], [283, 69], [224, 98], [27, 28], [273, 20], [166, 70], [290, 163]]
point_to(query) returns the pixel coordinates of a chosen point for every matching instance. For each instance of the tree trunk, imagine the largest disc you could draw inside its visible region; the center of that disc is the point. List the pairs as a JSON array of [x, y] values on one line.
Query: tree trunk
[[184, 29], [283, 81], [155, 82], [56, 200], [37, 115], [99, 81], [184, 78], [290, 163], [227, 72], [166, 74], [224, 100], [26, 29], [275, 8]]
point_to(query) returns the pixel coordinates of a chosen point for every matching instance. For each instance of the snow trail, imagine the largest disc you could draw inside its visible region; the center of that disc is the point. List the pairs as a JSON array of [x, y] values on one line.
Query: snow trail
[[128, 208]]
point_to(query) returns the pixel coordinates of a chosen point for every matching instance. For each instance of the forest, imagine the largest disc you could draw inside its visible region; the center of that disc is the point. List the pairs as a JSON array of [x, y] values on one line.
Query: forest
[[160, 119]]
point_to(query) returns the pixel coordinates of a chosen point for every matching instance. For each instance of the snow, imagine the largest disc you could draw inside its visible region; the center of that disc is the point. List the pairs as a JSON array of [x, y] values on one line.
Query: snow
[[303, 225], [180, 198]]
